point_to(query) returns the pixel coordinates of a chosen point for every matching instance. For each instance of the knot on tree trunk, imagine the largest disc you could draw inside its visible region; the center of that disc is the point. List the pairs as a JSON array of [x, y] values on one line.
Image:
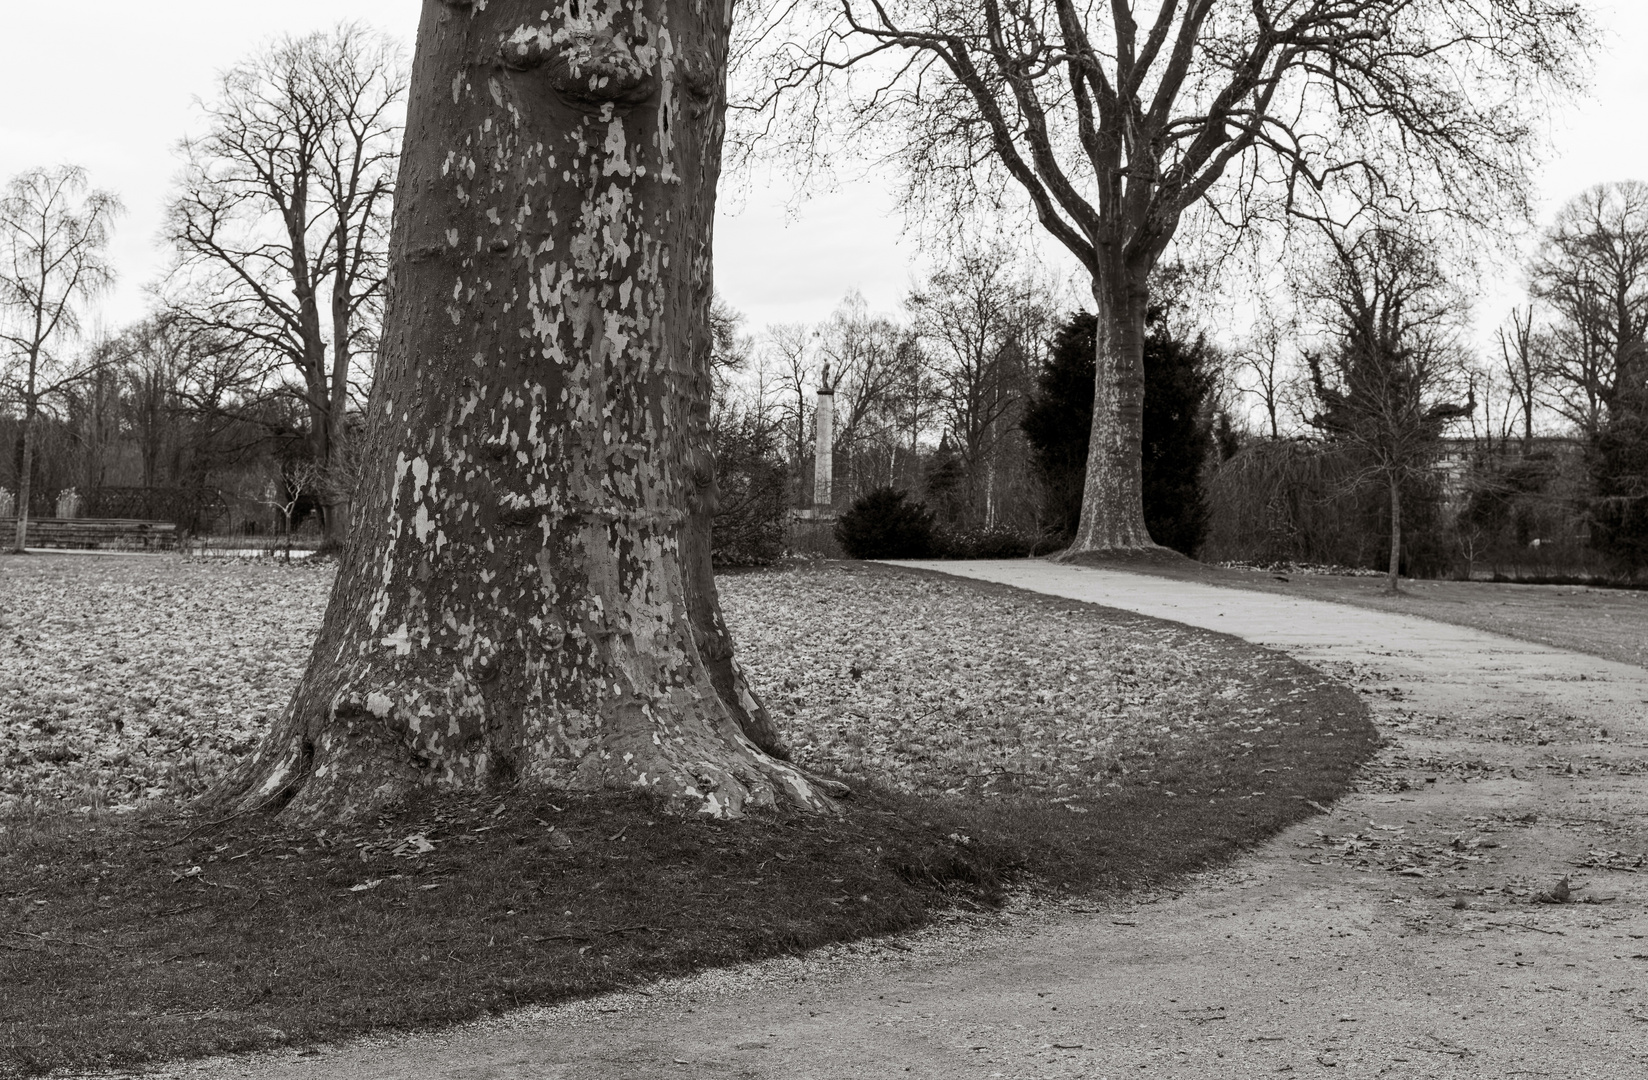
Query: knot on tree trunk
[[586, 59]]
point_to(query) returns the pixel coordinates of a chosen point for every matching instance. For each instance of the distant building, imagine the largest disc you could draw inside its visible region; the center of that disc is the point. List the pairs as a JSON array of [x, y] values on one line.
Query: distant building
[[1566, 452]]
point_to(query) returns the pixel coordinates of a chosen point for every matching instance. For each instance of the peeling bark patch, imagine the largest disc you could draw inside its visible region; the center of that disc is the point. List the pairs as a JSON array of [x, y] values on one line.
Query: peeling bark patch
[[587, 53]]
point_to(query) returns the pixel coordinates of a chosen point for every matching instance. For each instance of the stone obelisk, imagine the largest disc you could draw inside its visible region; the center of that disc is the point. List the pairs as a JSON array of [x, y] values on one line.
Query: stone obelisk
[[824, 455]]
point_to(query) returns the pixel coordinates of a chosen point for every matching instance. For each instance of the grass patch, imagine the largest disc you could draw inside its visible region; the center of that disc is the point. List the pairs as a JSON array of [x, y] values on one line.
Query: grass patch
[[134, 938]]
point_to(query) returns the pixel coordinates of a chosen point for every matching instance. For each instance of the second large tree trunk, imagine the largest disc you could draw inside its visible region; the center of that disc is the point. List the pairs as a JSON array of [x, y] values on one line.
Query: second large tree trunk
[[25, 483], [1112, 514], [525, 593], [1394, 581]]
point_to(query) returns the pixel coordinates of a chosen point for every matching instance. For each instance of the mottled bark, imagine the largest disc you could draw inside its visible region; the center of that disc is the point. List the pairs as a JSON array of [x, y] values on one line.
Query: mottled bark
[[25, 485], [710, 633], [525, 594], [1112, 515], [1393, 583]]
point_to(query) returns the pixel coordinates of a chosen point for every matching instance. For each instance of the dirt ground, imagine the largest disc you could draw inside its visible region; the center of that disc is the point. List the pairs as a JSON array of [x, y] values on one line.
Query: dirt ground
[[1478, 909]]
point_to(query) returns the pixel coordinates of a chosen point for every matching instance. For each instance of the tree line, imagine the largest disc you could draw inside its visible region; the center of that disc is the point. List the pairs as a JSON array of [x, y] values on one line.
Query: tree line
[[1355, 421], [252, 370], [974, 398], [1527, 456]]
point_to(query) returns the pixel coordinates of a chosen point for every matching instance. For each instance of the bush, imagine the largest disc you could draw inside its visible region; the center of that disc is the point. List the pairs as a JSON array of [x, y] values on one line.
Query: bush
[[1296, 500], [883, 524], [1058, 421], [999, 542]]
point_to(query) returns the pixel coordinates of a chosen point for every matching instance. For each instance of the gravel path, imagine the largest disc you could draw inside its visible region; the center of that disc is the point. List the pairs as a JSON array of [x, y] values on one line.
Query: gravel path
[[1398, 935]]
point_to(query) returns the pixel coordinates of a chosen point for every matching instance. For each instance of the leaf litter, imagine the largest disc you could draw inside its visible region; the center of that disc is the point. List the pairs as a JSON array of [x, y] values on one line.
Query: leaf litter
[[126, 680], [934, 687]]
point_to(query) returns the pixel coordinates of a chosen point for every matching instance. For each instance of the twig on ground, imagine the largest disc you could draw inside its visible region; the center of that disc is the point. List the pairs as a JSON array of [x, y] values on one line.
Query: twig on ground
[[181, 910]]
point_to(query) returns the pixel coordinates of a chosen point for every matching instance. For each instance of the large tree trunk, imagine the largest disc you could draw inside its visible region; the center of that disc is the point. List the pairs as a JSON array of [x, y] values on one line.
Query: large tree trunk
[[1112, 514], [1393, 583], [334, 487], [517, 597], [25, 486]]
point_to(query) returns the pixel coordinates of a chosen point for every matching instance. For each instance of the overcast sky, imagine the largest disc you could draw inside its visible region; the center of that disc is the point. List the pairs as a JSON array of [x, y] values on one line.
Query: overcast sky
[[109, 84]]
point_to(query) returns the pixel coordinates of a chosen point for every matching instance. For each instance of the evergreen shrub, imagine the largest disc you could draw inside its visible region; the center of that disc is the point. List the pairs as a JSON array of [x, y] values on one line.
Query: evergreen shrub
[[1619, 484], [998, 542], [884, 524]]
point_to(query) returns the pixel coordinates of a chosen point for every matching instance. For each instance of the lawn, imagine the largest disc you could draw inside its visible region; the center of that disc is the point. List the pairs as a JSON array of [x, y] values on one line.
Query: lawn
[[994, 739]]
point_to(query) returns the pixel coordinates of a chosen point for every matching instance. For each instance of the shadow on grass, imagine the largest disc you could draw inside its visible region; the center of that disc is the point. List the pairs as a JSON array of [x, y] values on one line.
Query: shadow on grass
[[133, 940]]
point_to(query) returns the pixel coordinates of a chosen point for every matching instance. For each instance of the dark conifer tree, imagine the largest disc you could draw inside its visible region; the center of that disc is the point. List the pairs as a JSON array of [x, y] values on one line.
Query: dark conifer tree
[[1058, 421], [1619, 478], [1178, 435]]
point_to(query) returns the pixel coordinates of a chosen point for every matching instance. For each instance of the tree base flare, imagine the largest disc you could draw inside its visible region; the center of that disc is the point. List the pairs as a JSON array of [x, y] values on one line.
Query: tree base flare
[[1123, 558], [366, 759]]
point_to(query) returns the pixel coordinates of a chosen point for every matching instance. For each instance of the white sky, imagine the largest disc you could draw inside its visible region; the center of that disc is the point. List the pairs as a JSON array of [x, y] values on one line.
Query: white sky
[[109, 84]]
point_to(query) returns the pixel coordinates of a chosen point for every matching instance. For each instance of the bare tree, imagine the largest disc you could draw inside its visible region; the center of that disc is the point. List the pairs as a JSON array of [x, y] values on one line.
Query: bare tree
[[281, 223], [1520, 358], [285, 491], [914, 405], [1387, 389], [1116, 120], [526, 594], [1592, 273], [54, 229], [93, 411], [788, 348], [1261, 363], [149, 363], [183, 386], [983, 326], [730, 349]]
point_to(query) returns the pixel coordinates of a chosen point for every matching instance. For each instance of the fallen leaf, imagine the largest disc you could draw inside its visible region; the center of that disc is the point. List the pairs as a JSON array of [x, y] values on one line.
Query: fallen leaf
[[413, 846]]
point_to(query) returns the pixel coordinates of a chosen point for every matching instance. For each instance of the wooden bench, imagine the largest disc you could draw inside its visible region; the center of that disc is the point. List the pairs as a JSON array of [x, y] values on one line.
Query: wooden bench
[[94, 534]]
